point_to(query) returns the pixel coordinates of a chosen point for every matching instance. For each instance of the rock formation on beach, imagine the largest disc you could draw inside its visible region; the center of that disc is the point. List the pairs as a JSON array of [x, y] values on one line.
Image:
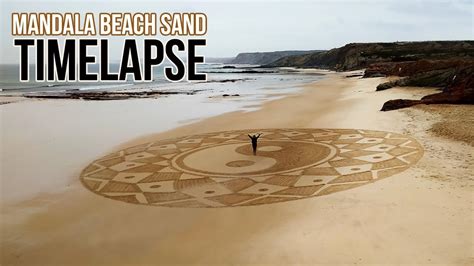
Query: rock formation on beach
[[454, 77], [457, 84], [432, 75], [447, 65]]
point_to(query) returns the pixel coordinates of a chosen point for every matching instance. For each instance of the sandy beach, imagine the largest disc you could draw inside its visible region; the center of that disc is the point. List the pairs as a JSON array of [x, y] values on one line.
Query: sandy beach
[[422, 215]]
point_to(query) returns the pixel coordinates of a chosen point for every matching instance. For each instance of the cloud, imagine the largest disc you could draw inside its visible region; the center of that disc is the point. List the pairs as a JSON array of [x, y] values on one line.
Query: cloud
[[265, 25]]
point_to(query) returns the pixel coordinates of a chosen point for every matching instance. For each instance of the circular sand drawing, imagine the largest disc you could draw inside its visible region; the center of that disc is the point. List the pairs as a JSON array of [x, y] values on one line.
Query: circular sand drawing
[[220, 170]]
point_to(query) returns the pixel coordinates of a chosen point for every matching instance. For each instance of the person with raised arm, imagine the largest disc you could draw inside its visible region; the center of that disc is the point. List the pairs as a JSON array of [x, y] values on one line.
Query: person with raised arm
[[254, 139]]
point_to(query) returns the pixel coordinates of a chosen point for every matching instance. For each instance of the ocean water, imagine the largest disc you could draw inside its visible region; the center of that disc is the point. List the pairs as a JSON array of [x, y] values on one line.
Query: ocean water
[[9, 81], [220, 80], [88, 129]]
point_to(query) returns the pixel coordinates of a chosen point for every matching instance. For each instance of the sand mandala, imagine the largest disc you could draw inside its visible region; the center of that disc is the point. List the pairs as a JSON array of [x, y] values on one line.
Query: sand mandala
[[220, 170]]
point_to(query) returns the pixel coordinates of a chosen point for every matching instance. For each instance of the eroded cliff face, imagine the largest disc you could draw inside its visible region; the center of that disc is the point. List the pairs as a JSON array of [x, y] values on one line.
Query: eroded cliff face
[[409, 68], [457, 85], [453, 76]]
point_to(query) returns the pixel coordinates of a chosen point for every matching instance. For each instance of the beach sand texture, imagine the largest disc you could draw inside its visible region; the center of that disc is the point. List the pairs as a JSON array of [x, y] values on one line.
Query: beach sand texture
[[422, 215], [219, 169]]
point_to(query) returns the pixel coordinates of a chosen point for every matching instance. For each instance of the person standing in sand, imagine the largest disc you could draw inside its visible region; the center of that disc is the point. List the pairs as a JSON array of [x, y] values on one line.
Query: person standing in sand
[[254, 139]]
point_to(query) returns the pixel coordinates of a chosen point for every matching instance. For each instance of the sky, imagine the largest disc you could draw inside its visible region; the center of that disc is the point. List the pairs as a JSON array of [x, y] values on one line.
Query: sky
[[272, 25]]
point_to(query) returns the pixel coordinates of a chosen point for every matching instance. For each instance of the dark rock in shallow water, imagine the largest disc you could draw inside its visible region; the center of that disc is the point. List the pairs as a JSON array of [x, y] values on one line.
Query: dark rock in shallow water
[[230, 80], [256, 72], [245, 72], [104, 95], [226, 80], [354, 76]]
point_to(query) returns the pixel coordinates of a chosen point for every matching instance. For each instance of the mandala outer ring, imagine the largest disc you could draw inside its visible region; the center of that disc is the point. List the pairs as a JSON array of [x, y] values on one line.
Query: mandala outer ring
[[144, 174]]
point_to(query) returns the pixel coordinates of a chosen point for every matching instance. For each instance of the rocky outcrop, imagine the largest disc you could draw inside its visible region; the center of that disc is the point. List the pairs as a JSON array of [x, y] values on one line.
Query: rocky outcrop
[[403, 69], [398, 104], [434, 78], [459, 89], [264, 58]]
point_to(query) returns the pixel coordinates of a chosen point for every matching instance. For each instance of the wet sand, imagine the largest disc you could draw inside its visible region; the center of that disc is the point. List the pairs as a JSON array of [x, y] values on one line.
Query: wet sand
[[419, 216]]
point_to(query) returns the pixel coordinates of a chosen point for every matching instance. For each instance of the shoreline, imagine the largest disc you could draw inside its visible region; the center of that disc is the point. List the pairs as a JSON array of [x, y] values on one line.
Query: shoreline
[[376, 223], [98, 127]]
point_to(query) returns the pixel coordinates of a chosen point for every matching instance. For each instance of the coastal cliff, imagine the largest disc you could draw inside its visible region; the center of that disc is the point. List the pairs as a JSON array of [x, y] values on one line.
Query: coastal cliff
[[360, 55], [448, 65], [264, 58]]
